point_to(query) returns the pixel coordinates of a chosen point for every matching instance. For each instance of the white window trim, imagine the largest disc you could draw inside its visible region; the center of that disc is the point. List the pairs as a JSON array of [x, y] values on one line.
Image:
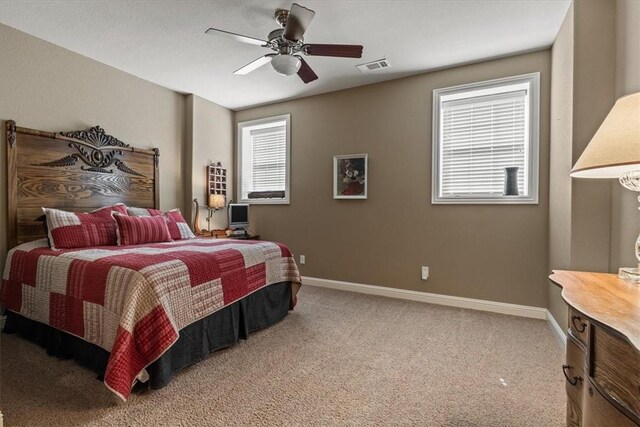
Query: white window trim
[[534, 125], [253, 123]]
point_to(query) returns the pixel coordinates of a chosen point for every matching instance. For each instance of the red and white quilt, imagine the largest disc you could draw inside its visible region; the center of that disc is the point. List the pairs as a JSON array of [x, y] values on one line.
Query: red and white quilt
[[133, 300]]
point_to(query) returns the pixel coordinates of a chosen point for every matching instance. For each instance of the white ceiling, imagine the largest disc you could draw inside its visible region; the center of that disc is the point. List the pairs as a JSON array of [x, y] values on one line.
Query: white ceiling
[[164, 41]]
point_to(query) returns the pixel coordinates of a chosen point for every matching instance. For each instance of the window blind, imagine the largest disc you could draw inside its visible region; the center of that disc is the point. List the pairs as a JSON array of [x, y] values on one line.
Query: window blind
[[480, 137], [268, 160]]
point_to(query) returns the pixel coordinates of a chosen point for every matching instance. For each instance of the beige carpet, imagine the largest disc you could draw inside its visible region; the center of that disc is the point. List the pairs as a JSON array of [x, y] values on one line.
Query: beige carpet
[[338, 359]]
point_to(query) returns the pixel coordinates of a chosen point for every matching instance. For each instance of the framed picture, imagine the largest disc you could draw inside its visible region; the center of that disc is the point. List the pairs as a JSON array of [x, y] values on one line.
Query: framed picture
[[350, 176]]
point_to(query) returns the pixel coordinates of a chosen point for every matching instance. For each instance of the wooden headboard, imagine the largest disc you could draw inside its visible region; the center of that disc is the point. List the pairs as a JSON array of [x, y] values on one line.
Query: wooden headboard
[[76, 171]]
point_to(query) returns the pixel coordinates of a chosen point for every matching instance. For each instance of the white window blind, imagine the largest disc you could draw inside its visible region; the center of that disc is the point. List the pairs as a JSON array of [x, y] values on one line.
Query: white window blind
[[269, 162], [263, 156], [481, 136], [479, 130]]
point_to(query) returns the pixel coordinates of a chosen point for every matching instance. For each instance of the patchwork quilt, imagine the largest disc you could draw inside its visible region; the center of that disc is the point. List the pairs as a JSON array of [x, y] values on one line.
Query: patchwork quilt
[[133, 300]]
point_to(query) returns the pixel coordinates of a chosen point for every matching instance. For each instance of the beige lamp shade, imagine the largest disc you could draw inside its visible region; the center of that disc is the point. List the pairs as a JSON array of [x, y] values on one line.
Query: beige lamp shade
[[615, 148], [216, 201]]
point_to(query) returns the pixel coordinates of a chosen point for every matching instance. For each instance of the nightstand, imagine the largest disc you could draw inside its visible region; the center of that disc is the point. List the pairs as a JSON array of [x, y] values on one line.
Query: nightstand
[[249, 237]]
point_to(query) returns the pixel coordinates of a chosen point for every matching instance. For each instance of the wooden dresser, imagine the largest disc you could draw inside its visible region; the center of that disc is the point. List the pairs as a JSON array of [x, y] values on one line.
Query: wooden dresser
[[602, 368]]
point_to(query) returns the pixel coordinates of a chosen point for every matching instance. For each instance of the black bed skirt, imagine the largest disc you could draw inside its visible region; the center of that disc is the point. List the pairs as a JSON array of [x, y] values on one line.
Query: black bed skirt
[[215, 332]]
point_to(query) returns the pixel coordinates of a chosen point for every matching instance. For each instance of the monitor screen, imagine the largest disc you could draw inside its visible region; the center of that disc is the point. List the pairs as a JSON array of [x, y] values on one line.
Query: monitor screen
[[238, 215]]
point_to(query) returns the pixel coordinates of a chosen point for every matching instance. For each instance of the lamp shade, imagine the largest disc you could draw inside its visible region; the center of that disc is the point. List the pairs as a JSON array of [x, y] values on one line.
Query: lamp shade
[[216, 201], [615, 148]]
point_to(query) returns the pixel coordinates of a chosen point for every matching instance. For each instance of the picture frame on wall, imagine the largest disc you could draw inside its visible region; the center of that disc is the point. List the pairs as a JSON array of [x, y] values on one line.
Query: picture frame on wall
[[350, 176]]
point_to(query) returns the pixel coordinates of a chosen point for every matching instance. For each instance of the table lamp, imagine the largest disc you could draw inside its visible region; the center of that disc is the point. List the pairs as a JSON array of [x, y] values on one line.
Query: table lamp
[[614, 152], [216, 201]]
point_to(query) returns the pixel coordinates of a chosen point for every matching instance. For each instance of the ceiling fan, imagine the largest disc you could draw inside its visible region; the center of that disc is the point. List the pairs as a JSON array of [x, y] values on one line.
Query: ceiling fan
[[289, 44]]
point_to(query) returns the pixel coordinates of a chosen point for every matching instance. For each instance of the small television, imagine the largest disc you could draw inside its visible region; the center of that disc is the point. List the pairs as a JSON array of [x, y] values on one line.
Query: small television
[[238, 215]]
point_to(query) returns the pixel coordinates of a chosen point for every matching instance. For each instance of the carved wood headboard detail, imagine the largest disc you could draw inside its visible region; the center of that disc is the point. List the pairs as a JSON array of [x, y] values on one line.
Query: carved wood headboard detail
[[76, 171]]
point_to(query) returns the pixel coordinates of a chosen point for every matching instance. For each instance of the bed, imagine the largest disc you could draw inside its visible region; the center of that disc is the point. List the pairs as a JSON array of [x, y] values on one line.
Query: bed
[[138, 313]]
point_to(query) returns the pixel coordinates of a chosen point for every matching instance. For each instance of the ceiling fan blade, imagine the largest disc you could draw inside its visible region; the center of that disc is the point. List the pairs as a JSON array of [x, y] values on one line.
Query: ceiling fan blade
[[236, 37], [297, 23], [305, 72], [254, 65], [339, 50]]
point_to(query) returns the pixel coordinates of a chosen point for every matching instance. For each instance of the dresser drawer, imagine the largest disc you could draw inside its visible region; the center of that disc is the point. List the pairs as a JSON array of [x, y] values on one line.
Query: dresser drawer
[[598, 412], [579, 325], [574, 370], [616, 369]]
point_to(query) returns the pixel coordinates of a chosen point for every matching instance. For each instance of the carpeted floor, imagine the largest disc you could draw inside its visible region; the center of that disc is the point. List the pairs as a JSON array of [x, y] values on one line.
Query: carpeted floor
[[339, 359]]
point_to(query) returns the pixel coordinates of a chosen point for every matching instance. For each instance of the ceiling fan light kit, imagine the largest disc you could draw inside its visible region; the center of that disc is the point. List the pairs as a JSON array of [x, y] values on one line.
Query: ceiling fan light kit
[[288, 43], [286, 65]]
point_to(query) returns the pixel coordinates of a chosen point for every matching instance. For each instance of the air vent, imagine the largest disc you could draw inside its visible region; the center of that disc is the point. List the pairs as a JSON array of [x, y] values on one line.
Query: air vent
[[380, 64]]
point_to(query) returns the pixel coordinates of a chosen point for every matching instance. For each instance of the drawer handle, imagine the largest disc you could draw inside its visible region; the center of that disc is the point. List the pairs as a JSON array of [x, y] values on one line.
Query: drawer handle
[[573, 381], [582, 326]]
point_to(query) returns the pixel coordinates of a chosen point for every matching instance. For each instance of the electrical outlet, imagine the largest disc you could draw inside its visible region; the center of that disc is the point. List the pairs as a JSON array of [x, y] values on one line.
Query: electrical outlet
[[302, 259], [425, 272]]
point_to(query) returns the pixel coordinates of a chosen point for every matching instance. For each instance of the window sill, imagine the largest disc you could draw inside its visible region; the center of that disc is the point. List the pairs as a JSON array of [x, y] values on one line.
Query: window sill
[[265, 201], [486, 201]]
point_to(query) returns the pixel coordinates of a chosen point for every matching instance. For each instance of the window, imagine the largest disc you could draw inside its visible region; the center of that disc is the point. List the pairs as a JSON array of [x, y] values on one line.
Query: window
[[479, 130], [263, 160]]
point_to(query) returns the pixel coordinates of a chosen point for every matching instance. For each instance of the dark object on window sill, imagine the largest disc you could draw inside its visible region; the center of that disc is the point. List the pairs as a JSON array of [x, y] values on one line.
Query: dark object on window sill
[[266, 195], [511, 181]]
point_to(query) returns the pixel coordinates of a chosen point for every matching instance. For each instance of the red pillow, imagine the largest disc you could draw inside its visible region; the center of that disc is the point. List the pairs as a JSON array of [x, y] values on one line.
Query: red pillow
[[80, 230], [137, 230], [178, 226]]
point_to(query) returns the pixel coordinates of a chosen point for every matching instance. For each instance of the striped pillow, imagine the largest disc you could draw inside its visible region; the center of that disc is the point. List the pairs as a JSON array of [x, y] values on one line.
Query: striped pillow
[[68, 230], [142, 229], [178, 227]]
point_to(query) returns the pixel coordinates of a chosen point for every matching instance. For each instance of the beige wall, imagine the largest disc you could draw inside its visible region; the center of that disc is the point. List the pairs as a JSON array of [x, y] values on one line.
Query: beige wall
[[593, 97], [488, 252], [561, 160], [210, 140], [603, 48], [625, 219], [46, 87]]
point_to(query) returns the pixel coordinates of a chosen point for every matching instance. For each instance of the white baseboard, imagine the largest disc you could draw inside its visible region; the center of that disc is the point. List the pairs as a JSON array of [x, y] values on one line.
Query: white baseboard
[[557, 330], [448, 300]]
